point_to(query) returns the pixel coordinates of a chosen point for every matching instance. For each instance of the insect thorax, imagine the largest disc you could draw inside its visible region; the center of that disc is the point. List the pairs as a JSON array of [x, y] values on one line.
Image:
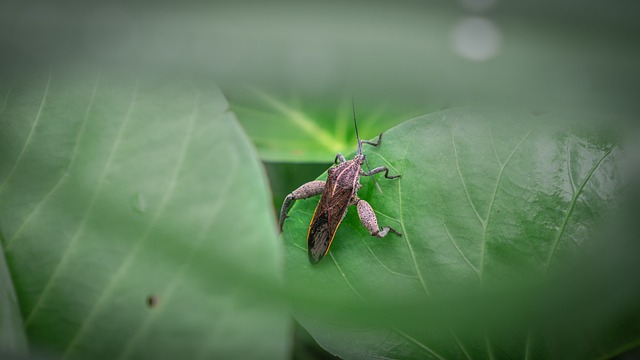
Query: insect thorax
[[346, 174]]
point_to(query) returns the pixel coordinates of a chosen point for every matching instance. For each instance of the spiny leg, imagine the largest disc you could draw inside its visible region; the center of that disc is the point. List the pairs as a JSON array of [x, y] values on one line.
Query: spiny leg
[[369, 220], [376, 143], [310, 189], [380, 169], [339, 159]]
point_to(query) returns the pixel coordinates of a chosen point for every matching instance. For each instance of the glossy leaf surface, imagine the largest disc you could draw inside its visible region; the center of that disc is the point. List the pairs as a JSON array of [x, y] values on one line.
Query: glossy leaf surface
[[488, 201]]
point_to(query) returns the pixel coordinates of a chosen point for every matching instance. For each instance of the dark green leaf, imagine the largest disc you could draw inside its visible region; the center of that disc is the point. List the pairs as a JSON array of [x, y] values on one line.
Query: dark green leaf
[[12, 337]]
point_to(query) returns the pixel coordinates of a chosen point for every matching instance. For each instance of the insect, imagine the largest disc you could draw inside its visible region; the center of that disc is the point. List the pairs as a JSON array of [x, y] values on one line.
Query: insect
[[339, 191]]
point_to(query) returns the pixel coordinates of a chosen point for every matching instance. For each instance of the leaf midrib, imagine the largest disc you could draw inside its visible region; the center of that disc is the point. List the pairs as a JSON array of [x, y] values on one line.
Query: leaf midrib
[[572, 204]]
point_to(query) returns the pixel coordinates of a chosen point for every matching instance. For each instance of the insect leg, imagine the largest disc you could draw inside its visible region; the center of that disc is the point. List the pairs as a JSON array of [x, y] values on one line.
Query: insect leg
[[369, 220], [339, 159], [305, 191], [376, 143], [379, 170]]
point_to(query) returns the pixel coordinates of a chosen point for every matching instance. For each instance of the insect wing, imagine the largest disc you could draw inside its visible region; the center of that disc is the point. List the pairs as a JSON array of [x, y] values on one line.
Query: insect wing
[[319, 238], [326, 219]]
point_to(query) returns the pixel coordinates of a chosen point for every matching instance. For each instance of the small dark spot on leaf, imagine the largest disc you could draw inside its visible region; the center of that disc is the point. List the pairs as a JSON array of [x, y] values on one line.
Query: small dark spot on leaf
[[152, 301]]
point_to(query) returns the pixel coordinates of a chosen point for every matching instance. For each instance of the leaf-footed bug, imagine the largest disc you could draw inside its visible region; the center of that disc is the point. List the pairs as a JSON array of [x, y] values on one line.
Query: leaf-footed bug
[[339, 191]]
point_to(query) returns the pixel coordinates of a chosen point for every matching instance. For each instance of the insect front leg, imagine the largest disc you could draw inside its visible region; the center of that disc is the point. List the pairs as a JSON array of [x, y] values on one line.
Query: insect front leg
[[310, 189], [379, 170], [369, 220], [376, 143]]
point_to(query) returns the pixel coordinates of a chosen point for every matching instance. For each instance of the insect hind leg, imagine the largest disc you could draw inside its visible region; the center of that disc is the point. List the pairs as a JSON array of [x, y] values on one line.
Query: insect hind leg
[[385, 230], [370, 221], [310, 189]]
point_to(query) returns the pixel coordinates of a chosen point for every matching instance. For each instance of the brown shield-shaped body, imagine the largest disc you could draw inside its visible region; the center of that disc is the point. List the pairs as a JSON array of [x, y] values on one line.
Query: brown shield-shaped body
[[341, 186]]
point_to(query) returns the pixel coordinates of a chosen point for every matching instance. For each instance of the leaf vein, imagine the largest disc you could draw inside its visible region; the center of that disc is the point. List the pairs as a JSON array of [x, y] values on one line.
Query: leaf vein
[[464, 185], [381, 263], [53, 190], [344, 276], [406, 235], [493, 145], [493, 199], [67, 251], [572, 204], [141, 240], [420, 344], [446, 229], [460, 345], [527, 347], [6, 98], [571, 181], [27, 142], [486, 337], [173, 281], [305, 124]]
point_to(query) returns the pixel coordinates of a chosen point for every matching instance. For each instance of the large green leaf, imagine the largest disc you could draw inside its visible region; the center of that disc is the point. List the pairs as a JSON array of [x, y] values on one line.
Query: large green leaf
[[489, 201], [136, 221]]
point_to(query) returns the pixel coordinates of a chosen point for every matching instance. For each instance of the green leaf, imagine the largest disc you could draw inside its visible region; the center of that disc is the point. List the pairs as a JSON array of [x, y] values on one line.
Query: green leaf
[[136, 221], [305, 134], [12, 337], [489, 203]]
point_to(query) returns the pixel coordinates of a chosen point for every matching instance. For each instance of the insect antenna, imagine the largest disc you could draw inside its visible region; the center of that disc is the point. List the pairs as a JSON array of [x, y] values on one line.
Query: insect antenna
[[359, 151], [355, 125]]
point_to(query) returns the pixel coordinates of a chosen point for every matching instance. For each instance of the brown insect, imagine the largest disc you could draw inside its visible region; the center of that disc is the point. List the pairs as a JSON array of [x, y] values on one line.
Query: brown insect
[[338, 193]]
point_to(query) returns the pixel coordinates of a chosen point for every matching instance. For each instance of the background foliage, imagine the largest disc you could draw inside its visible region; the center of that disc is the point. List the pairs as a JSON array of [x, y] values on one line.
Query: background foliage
[[135, 212]]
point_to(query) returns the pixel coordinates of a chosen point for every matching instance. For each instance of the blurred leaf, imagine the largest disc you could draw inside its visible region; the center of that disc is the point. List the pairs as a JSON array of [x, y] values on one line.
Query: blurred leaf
[[297, 133], [306, 348], [581, 54], [489, 201], [136, 221], [12, 337]]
